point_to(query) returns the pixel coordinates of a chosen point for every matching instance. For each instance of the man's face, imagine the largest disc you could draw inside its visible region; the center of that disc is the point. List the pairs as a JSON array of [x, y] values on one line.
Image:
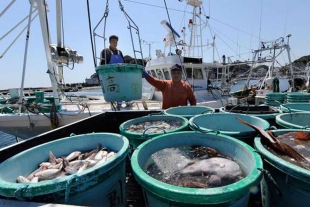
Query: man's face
[[113, 43], [176, 75]]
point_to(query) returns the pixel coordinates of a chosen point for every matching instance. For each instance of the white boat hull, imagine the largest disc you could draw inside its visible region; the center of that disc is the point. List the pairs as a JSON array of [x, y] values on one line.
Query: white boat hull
[[25, 126]]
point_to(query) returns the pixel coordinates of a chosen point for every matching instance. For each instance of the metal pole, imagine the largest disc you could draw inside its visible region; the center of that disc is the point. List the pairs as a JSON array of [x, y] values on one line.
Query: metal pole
[[21, 95]]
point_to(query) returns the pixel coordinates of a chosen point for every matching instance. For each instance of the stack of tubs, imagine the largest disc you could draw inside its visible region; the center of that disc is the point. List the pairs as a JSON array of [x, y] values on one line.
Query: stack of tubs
[[101, 185], [275, 99], [161, 194], [298, 97], [295, 107]]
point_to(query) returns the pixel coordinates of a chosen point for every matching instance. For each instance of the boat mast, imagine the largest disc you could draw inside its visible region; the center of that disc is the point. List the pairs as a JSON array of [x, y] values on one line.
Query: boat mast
[[195, 30], [41, 5]]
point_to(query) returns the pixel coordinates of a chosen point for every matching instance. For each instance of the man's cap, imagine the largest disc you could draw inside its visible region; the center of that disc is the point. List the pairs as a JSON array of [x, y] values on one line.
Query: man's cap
[[176, 67]]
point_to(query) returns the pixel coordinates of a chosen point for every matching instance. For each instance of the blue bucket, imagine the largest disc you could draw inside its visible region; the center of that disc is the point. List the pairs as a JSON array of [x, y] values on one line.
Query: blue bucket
[[189, 111], [295, 107], [292, 180], [227, 124], [298, 120], [120, 82], [161, 194], [101, 185]]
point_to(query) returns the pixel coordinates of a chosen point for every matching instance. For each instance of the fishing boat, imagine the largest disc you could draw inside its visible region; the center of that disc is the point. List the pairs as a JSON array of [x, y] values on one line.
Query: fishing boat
[[189, 54], [269, 53]]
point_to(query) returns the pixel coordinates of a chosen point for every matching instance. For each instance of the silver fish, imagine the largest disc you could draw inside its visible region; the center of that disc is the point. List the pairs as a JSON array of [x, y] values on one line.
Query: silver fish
[[22, 179], [73, 155], [48, 174]]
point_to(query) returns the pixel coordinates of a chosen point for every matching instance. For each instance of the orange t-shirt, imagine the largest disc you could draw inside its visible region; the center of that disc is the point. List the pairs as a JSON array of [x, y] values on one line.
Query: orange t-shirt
[[174, 93]]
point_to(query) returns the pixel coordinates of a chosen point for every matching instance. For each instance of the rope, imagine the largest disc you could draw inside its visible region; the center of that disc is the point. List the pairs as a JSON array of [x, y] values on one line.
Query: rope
[[19, 191]]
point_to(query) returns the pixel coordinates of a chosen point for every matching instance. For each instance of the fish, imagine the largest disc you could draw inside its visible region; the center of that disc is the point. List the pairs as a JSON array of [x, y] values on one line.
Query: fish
[[48, 174], [276, 144], [84, 167], [304, 136], [22, 179], [221, 171], [73, 155]]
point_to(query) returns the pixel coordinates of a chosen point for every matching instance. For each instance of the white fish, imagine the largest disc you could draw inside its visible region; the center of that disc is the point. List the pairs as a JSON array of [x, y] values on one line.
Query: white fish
[[48, 174], [73, 155], [100, 154], [84, 167], [110, 155], [71, 170], [22, 179], [31, 175], [34, 180]]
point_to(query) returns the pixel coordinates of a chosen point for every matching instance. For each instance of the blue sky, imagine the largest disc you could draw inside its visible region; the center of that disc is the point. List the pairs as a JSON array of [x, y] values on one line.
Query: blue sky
[[236, 23]]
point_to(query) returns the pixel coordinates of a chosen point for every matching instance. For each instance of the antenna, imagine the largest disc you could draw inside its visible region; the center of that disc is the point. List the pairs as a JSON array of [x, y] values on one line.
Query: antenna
[[149, 43]]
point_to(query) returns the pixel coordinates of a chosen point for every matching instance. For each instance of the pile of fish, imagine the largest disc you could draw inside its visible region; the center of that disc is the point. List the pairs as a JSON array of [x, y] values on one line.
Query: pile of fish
[[194, 167], [75, 162], [296, 146], [154, 126]]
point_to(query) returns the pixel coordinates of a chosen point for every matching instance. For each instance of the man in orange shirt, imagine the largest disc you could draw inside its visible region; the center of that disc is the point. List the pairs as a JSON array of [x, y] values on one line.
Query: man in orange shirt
[[176, 92]]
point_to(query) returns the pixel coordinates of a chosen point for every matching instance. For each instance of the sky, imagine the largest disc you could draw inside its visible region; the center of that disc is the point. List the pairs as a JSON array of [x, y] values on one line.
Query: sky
[[238, 26]]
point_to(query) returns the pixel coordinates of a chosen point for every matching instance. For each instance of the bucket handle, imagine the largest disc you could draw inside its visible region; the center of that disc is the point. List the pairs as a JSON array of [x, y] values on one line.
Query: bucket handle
[[273, 127], [154, 114], [267, 174], [195, 127], [18, 193], [206, 111], [68, 187], [288, 108], [145, 135]]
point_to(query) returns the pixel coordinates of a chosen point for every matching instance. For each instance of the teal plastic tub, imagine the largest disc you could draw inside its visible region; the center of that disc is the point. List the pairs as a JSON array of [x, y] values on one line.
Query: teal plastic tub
[[298, 120], [102, 185], [268, 113], [120, 82], [295, 107], [136, 138], [161, 194], [292, 180], [189, 111], [227, 124]]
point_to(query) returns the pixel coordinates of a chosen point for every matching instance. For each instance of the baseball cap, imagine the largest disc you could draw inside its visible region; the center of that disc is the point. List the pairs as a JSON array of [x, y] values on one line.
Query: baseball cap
[[176, 67]]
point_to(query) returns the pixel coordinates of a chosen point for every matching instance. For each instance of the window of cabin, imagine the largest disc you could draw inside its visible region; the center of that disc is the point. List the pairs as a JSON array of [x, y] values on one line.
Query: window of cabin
[[189, 72], [159, 74], [153, 73], [166, 74], [198, 74]]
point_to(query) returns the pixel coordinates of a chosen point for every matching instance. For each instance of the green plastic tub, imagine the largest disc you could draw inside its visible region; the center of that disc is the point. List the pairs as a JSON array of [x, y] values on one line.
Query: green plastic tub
[[189, 111], [292, 180], [120, 82], [295, 107], [227, 124], [267, 113], [298, 120], [161, 194], [135, 138], [102, 185]]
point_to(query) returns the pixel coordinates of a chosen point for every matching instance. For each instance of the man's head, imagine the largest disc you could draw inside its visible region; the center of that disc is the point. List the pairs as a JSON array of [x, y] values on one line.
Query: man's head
[[176, 72], [113, 39]]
